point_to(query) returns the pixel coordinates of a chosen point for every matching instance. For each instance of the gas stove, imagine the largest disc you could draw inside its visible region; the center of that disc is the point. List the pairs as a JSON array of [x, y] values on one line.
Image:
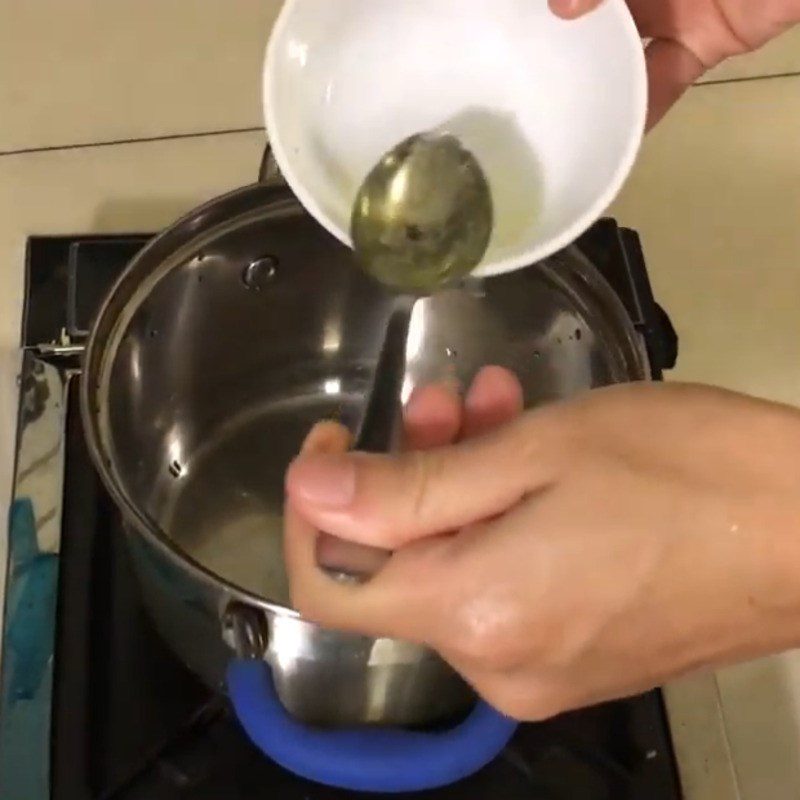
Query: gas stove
[[93, 706]]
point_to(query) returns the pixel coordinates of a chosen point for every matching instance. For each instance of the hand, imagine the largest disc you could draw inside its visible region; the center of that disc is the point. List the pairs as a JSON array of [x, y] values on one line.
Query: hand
[[433, 417], [690, 37], [601, 546]]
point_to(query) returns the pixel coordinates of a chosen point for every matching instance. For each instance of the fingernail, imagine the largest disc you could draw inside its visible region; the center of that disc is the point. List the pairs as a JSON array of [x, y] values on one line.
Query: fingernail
[[322, 481], [567, 8]]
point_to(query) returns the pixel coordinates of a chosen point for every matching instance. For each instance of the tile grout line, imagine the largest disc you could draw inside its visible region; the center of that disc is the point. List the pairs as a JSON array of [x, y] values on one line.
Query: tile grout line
[[748, 79], [260, 128], [143, 140]]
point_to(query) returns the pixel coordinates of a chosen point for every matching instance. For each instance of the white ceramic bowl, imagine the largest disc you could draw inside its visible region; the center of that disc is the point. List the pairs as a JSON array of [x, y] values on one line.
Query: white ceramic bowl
[[554, 110]]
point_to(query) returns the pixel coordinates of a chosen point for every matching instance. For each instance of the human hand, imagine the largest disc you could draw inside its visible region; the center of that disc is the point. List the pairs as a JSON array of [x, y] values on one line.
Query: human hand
[[690, 37], [433, 417], [601, 546]]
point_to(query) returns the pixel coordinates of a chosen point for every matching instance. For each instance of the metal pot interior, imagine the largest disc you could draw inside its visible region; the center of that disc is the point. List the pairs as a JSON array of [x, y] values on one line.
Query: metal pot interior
[[211, 363]]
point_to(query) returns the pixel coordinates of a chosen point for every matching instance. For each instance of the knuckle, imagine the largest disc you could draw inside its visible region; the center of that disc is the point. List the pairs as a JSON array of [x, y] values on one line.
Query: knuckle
[[541, 441], [483, 643], [388, 535], [525, 701], [305, 604], [313, 606], [508, 701], [424, 470], [309, 612], [317, 612], [544, 705]]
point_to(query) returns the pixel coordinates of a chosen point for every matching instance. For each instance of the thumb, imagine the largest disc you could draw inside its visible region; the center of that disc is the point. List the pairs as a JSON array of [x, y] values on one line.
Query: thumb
[[388, 501], [571, 9], [672, 69]]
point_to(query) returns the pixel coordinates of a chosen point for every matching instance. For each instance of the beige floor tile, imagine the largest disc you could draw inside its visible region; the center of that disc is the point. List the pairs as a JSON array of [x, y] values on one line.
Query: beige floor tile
[[77, 71], [778, 58], [99, 71], [131, 187], [716, 197], [762, 715], [134, 186]]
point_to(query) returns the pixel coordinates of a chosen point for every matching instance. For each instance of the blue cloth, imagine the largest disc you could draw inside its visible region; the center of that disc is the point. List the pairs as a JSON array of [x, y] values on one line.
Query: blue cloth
[[27, 668]]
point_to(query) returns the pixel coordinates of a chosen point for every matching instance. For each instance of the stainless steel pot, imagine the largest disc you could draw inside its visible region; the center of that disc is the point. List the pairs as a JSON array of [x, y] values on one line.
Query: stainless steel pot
[[224, 341]]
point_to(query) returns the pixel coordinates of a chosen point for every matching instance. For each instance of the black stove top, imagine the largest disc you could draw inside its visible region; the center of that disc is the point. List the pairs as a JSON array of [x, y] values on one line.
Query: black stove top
[[129, 722]]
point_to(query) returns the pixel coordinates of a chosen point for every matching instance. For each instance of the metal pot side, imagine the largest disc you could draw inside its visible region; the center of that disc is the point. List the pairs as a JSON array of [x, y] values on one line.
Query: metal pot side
[[227, 337]]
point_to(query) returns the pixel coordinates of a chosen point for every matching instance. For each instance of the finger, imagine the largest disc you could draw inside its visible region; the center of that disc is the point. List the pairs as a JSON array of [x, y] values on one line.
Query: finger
[[432, 417], [672, 69], [324, 437], [398, 601], [494, 398], [572, 9], [327, 437], [655, 20], [340, 556], [523, 695], [332, 553], [390, 500]]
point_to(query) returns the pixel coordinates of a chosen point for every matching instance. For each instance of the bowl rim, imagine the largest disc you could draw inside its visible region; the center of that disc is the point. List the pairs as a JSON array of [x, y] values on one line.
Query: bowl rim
[[530, 255]]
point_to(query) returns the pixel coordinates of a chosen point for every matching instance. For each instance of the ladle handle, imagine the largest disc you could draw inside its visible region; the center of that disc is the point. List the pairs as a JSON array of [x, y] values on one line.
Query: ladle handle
[[381, 425]]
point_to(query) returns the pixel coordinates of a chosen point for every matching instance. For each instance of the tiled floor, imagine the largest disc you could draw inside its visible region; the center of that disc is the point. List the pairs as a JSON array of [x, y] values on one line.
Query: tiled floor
[[140, 186], [716, 197], [781, 57], [94, 71]]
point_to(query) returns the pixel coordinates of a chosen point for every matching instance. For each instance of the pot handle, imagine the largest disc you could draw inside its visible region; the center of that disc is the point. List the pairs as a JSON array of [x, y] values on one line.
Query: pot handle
[[363, 759]]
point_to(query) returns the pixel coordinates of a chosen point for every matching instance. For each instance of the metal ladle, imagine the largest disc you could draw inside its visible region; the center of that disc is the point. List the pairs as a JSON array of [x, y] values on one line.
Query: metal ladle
[[423, 216], [421, 220]]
